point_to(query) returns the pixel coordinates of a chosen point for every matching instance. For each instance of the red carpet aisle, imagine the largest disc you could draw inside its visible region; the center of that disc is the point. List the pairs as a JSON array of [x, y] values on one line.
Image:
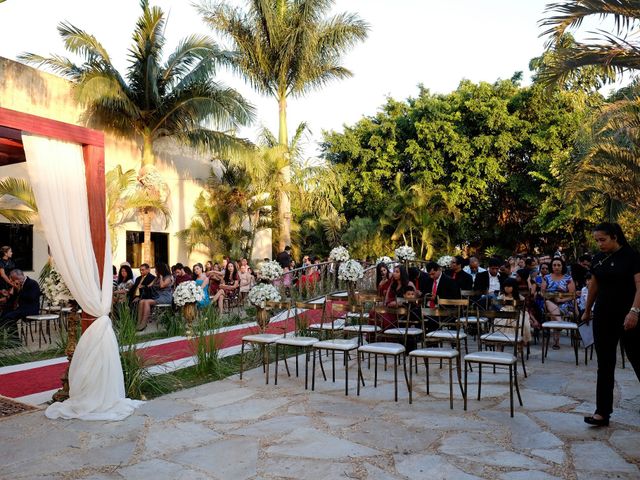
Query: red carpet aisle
[[36, 377]]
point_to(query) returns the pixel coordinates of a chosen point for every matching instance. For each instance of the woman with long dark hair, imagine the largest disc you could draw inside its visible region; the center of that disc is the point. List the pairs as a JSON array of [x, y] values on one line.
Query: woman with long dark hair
[[615, 292], [124, 282], [162, 293], [399, 285], [383, 279], [558, 281], [228, 287]]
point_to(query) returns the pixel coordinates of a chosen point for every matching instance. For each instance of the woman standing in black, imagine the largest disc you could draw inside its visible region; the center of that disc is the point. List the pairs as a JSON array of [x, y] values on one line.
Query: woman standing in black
[[615, 290]]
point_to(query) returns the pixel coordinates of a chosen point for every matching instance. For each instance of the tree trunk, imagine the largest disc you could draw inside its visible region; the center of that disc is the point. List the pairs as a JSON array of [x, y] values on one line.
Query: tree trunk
[[147, 151], [284, 202], [146, 228]]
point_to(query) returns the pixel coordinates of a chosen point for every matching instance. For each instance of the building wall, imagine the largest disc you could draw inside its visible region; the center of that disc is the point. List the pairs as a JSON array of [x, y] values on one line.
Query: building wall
[[32, 91]]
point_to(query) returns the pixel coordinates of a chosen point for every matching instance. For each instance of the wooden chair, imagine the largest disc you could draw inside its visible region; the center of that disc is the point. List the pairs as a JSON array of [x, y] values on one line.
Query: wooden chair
[[302, 324], [567, 322], [511, 325], [452, 329]]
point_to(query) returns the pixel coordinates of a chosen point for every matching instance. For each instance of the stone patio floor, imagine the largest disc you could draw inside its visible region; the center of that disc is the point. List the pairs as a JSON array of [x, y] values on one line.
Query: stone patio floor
[[237, 430]]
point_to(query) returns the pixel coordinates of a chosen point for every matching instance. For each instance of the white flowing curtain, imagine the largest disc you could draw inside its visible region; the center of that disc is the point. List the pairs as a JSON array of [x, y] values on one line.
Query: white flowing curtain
[[96, 383]]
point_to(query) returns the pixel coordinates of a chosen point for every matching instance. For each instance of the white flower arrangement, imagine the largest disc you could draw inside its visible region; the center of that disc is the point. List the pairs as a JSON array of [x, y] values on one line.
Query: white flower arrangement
[[54, 289], [271, 270], [339, 254], [351, 271], [385, 260], [263, 293], [445, 261], [187, 292], [405, 253]]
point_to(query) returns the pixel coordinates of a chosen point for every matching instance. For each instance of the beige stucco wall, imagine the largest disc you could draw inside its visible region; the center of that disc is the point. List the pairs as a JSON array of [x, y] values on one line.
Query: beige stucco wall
[[35, 92]]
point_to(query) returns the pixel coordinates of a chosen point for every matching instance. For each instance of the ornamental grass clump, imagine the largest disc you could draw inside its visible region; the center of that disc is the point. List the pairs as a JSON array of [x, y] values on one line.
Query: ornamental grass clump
[[138, 381], [263, 293], [405, 253], [187, 292], [205, 346], [350, 271], [271, 270], [339, 254]]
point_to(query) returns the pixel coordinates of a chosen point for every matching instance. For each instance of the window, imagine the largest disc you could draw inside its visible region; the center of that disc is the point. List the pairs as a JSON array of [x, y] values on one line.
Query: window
[[20, 239], [159, 248]]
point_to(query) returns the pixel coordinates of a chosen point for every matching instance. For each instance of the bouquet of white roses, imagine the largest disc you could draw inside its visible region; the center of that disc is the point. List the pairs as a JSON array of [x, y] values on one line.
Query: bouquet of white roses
[[339, 254], [405, 253], [351, 271], [263, 293], [385, 260], [53, 287], [445, 261], [187, 292], [271, 270]]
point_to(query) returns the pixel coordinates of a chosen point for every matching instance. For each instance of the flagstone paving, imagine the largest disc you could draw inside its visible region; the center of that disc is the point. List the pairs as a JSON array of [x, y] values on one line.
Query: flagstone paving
[[238, 430]]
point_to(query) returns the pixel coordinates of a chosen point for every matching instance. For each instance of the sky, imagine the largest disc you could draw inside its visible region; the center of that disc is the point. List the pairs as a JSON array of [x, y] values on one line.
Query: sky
[[411, 42]]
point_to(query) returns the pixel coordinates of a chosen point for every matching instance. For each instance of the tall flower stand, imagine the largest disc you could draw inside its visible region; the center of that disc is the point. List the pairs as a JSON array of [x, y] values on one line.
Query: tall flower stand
[[262, 318], [189, 312], [352, 294]]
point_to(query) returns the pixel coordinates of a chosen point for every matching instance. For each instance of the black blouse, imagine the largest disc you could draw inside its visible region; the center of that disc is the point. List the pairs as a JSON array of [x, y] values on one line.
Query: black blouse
[[614, 273]]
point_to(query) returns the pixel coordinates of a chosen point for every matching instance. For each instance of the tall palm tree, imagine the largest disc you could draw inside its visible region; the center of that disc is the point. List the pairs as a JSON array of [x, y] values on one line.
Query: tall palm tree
[[286, 48], [174, 98], [615, 52], [608, 174]]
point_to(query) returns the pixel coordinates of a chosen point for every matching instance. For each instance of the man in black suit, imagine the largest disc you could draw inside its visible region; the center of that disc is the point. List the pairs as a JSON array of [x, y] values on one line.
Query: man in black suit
[[490, 282], [462, 278], [25, 301], [439, 285], [144, 280]]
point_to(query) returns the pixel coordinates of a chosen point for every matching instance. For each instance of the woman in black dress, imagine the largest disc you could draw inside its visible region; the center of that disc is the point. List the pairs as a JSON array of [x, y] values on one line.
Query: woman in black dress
[[615, 290]]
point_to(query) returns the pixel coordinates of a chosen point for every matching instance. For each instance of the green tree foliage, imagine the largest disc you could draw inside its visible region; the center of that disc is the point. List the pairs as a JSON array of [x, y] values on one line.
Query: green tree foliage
[[483, 166]]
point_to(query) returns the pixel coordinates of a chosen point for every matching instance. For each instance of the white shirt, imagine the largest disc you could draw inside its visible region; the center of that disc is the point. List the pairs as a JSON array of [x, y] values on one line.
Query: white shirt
[[473, 274], [494, 283]]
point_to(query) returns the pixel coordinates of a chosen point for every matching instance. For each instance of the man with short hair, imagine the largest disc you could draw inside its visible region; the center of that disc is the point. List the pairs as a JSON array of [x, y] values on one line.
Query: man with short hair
[[462, 278], [144, 280], [439, 284], [284, 257], [490, 282], [180, 275], [474, 269], [25, 301]]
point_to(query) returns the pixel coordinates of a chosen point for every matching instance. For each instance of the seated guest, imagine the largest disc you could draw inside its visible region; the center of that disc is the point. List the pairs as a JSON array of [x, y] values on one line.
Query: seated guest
[[180, 275], [25, 301], [246, 281], [124, 283], [398, 287], [144, 280], [228, 287], [474, 267], [490, 280], [383, 279], [579, 271], [440, 285], [462, 278], [509, 293], [161, 291], [6, 265], [419, 280], [558, 281], [202, 281]]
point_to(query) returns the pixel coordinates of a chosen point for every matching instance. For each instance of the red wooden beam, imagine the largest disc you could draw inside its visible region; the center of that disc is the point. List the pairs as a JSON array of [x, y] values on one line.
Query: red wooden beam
[[50, 128], [96, 199]]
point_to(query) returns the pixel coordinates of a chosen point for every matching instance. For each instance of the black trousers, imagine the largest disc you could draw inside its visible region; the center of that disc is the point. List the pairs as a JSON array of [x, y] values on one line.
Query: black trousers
[[608, 330]]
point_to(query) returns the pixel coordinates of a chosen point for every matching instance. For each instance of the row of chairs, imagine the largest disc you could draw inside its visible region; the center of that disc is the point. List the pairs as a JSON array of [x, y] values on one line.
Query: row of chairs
[[453, 316]]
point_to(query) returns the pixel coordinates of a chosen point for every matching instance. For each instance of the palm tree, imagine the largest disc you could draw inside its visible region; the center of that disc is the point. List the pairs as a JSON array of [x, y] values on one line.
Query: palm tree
[[616, 52], [175, 98], [20, 206], [285, 48], [608, 174]]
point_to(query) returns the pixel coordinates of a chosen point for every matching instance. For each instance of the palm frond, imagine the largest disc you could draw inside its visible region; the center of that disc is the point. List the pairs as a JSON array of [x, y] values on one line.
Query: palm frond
[[19, 189]]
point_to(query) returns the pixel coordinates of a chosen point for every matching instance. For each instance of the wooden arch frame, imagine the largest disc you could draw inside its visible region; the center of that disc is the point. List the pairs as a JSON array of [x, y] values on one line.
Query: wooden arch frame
[[13, 123]]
